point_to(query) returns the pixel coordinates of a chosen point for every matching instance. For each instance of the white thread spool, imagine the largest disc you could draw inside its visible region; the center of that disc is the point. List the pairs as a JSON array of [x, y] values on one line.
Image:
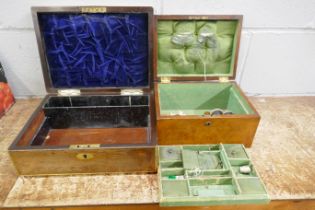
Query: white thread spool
[[180, 178], [245, 169]]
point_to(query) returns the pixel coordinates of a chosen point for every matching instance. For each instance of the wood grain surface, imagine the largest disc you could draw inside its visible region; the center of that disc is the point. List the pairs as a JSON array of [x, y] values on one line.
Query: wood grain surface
[[10, 126], [283, 152], [97, 136], [196, 129], [284, 147], [193, 131], [85, 161], [83, 190]]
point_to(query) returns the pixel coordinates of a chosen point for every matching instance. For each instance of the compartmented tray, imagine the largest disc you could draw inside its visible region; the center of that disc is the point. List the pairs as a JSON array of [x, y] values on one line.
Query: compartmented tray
[[202, 175]]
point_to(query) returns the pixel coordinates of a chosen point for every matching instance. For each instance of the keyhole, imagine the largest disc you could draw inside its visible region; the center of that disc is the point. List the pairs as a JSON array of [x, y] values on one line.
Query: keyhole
[[208, 123], [85, 156]]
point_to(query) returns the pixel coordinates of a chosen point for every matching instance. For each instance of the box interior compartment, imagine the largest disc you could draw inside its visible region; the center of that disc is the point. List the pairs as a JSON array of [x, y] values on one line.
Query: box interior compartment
[[201, 98], [197, 175], [94, 120]]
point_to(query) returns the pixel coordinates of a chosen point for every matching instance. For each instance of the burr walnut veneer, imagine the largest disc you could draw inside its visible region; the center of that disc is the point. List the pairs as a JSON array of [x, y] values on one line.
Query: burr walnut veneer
[[195, 60]]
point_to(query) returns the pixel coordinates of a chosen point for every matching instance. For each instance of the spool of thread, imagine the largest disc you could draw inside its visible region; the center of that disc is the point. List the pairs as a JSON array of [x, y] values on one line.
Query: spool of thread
[[245, 169]]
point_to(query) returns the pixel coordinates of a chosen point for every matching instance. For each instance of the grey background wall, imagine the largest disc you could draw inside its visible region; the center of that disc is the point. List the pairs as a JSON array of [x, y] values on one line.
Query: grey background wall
[[277, 54]]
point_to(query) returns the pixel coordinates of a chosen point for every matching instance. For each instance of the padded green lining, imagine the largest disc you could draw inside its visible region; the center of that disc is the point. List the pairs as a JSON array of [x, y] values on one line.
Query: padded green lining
[[196, 47], [197, 98]]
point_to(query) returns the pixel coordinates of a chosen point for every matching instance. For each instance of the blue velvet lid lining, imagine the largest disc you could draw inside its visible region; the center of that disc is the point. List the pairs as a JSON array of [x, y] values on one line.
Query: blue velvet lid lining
[[96, 50]]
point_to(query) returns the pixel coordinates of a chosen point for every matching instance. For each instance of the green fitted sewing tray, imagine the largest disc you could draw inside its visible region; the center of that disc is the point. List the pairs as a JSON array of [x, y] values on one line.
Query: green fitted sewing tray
[[202, 175]]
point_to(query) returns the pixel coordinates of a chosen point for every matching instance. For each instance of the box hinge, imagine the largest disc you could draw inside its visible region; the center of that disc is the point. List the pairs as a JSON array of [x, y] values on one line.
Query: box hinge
[[84, 146], [223, 79], [165, 80], [69, 92], [131, 92]]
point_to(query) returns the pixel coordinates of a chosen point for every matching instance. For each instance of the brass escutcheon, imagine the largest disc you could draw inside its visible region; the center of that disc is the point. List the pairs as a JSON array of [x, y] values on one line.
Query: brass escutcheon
[[85, 156]]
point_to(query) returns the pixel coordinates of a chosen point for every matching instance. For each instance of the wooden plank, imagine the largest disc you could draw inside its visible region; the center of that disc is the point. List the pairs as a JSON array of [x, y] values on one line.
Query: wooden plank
[[284, 150], [8, 176], [83, 190], [274, 205]]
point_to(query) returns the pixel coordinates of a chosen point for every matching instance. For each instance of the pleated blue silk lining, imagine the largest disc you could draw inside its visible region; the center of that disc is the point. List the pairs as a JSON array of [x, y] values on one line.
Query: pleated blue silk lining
[[96, 50]]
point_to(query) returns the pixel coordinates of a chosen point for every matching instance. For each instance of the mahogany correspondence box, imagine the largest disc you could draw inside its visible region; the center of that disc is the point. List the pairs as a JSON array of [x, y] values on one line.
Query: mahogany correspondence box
[[98, 116], [197, 99]]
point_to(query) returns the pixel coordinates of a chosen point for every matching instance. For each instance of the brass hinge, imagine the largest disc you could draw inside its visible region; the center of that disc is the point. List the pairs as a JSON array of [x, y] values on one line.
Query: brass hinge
[[69, 92], [165, 80], [125, 92], [223, 79], [84, 146], [93, 9]]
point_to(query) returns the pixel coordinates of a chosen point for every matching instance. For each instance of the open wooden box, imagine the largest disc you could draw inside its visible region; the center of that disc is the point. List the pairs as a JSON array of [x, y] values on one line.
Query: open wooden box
[[98, 116], [197, 99]]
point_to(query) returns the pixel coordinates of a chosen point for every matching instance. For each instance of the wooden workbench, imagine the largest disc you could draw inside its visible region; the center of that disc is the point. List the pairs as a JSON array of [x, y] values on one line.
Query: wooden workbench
[[283, 153]]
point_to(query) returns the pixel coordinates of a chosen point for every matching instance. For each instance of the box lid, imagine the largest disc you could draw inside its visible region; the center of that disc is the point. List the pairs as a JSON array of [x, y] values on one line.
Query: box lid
[[196, 47], [94, 48], [202, 175]]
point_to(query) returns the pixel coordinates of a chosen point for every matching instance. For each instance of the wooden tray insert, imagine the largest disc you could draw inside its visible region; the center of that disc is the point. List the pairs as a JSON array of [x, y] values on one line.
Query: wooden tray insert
[[197, 175]]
